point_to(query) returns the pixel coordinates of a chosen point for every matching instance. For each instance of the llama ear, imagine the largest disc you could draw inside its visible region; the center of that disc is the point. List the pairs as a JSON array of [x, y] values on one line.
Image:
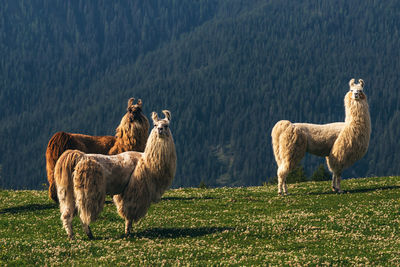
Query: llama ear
[[167, 114], [130, 101], [361, 82], [351, 83], [140, 103], [154, 116]]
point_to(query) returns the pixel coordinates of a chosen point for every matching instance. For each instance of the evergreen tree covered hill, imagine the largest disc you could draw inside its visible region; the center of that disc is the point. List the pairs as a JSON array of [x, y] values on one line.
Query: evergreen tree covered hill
[[227, 70]]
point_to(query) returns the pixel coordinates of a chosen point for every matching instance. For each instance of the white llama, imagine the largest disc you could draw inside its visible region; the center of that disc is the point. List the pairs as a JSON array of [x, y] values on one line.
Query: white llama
[[152, 176], [342, 143]]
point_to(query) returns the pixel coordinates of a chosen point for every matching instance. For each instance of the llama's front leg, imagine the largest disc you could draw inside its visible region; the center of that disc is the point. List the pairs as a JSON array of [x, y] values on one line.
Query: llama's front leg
[[334, 183], [338, 180], [87, 230], [128, 226]]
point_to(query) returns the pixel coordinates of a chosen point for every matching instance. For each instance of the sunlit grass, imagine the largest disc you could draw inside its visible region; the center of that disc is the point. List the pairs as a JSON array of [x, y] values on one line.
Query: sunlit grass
[[244, 226]]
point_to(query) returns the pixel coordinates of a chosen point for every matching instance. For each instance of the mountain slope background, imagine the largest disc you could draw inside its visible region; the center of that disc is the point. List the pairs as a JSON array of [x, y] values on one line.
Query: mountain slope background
[[227, 70]]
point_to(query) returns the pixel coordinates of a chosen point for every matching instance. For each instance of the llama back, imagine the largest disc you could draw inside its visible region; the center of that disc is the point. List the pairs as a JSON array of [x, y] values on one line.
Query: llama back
[[89, 189]]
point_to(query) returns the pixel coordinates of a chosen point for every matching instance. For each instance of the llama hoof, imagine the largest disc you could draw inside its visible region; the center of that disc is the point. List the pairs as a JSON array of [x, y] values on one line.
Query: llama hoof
[[71, 237]]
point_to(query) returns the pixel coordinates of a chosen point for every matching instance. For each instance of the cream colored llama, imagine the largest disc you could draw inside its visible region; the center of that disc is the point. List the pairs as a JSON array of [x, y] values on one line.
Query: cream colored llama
[[152, 176], [342, 143], [83, 180]]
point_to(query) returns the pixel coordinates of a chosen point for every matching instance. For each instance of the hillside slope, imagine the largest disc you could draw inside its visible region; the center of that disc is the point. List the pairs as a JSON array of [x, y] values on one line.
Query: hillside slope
[[223, 226], [227, 70]]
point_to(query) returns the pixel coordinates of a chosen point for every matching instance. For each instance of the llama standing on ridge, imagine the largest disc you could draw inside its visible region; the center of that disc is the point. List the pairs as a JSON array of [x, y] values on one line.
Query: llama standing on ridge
[[342, 143], [83, 181], [152, 176], [131, 135]]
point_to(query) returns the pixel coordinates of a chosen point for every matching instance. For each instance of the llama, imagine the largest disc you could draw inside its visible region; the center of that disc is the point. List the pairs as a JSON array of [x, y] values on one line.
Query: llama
[[131, 135], [152, 176], [83, 181], [342, 143]]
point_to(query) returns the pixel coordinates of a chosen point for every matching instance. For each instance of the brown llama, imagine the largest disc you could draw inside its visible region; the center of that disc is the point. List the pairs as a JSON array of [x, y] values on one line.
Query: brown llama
[[153, 174], [131, 135], [83, 181], [342, 143]]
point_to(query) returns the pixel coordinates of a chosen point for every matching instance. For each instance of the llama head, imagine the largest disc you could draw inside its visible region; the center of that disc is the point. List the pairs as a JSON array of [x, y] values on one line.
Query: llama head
[[162, 125], [134, 111], [356, 90]]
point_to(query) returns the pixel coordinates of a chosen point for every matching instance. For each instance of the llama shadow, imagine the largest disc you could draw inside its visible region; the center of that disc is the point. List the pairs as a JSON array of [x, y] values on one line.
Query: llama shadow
[[361, 190], [177, 232], [28, 208], [186, 198], [366, 190]]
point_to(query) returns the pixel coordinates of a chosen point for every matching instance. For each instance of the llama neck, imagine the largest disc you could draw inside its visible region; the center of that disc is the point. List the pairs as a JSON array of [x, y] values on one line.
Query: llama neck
[[131, 136], [159, 162], [358, 118], [357, 113]]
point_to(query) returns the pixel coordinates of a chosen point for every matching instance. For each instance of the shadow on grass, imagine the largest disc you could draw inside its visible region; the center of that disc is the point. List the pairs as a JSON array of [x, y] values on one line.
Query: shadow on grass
[[360, 190], [178, 232], [28, 208], [366, 190], [186, 198]]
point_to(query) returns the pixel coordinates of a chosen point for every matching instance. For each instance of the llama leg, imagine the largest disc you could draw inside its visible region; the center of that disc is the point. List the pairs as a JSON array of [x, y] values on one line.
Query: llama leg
[[66, 218], [283, 171], [87, 230], [67, 209], [331, 162], [285, 187], [334, 179], [338, 179], [128, 226]]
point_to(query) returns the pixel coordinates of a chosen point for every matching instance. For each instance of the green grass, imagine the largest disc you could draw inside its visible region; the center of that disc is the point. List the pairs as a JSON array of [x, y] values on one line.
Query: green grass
[[223, 226]]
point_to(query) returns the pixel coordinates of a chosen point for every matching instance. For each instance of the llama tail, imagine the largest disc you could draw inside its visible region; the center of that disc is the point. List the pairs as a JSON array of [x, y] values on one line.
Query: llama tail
[[59, 143], [89, 188], [289, 144], [65, 167], [64, 185], [279, 128]]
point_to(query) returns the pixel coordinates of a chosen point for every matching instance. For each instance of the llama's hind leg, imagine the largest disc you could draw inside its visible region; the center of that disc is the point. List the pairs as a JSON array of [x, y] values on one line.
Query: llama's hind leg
[[66, 218], [128, 226], [87, 230], [67, 209], [283, 172]]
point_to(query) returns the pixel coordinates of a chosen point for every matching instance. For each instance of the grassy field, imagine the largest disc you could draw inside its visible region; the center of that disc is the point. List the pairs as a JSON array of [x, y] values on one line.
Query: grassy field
[[222, 226]]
